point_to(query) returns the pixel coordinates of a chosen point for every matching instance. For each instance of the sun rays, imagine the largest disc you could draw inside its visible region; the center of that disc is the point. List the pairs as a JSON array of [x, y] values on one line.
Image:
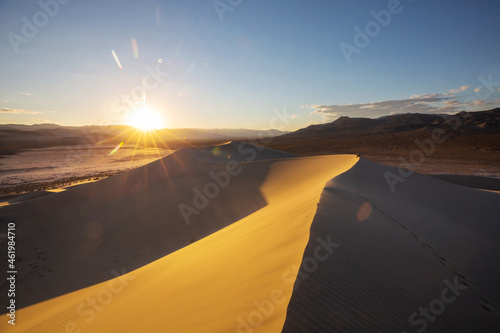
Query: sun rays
[[146, 119]]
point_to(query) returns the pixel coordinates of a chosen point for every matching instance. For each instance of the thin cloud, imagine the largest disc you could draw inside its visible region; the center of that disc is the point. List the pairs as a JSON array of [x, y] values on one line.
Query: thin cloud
[[432, 103], [482, 103], [37, 120], [17, 111], [25, 93], [415, 104], [462, 88]]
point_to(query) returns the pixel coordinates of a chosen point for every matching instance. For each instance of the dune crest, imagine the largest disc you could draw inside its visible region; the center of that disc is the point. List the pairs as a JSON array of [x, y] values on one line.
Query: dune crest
[[239, 278], [279, 243], [422, 258]]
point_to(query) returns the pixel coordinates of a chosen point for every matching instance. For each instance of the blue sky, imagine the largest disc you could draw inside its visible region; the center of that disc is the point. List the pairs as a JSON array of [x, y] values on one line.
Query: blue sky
[[235, 63]]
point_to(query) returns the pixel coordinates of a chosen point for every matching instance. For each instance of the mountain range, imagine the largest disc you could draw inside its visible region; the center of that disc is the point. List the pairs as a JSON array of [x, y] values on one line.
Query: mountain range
[[465, 135], [468, 135], [482, 120], [16, 137]]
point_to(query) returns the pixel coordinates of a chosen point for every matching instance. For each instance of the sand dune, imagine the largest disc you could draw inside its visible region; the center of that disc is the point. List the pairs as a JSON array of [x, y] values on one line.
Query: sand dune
[[369, 258], [398, 249], [223, 273], [131, 219]]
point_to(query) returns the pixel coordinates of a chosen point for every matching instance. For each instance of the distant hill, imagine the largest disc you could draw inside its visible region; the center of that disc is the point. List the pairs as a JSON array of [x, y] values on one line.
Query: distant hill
[[35, 127], [489, 120], [15, 137], [468, 135]]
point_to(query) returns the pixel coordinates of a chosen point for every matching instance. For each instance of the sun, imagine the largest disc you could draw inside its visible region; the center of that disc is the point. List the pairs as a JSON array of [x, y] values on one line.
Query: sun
[[146, 119]]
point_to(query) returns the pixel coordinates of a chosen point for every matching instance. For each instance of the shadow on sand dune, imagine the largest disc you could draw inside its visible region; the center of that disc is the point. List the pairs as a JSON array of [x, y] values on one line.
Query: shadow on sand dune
[[397, 250], [94, 232]]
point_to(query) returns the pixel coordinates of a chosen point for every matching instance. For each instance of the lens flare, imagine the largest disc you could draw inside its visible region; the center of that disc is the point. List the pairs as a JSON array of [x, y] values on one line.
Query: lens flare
[[135, 50], [216, 151], [116, 59], [116, 149], [364, 212]]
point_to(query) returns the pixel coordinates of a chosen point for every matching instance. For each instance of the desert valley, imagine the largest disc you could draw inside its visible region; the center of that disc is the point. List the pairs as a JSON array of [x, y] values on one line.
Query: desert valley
[[235, 166], [246, 238]]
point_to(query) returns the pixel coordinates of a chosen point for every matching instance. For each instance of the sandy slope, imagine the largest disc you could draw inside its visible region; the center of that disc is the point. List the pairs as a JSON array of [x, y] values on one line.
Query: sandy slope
[[397, 249], [77, 238], [370, 259], [211, 284]]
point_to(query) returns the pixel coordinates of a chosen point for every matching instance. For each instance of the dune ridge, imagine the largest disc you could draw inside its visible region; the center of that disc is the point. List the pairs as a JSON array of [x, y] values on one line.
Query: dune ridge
[[214, 284], [292, 244], [399, 251], [131, 219]]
